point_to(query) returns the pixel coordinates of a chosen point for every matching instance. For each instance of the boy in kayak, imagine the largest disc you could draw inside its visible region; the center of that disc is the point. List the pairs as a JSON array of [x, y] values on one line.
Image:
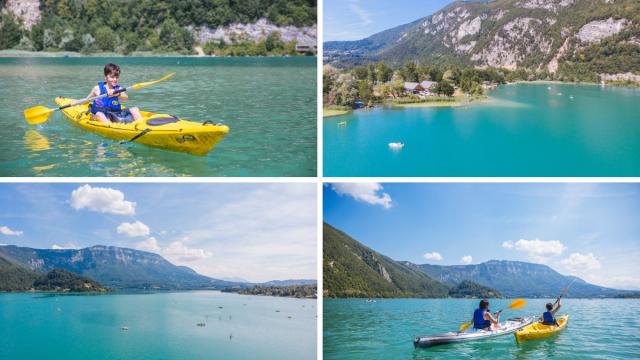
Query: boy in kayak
[[549, 316], [108, 109], [482, 318]]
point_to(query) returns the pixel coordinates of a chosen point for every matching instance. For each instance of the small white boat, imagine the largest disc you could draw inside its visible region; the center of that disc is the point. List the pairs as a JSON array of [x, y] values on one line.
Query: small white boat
[[342, 123], [201, 324], [559, 94], [124, 328], [396, 145], [548, 87], [571, 97]]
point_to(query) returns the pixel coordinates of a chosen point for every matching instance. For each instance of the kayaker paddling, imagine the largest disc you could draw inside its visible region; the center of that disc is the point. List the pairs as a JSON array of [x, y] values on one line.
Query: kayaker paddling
[[482, 318], [108, 109], [549, 316]]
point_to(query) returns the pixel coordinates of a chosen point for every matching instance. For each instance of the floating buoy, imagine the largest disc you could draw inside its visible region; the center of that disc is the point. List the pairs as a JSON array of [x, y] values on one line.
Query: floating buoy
[[396, 145]]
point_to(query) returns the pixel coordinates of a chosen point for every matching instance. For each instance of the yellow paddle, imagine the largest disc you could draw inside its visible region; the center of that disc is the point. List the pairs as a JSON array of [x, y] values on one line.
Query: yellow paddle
[[516, 304], [39, 114]]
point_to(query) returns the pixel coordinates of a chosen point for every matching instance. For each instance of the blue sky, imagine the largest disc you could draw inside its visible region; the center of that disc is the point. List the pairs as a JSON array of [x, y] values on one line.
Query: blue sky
[[257, 232], [358, 19], [589, 230]]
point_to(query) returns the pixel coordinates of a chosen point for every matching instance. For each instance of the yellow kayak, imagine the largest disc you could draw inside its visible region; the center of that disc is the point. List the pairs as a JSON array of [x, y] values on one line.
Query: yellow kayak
[[157, 130], [538, 330]]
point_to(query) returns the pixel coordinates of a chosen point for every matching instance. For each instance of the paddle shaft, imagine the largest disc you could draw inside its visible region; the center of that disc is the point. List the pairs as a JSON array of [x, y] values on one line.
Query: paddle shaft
[[564, 292], [83, 101]]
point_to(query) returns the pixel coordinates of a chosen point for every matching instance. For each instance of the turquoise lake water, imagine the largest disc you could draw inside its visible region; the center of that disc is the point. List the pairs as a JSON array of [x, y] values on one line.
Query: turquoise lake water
[[161, 326], [355, 329], [269, 104], [522, 130]]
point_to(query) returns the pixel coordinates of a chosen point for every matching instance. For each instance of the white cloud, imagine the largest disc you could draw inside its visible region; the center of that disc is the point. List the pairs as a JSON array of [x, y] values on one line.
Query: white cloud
[[4, 230], [538, 250], [466, 260], [433, 256], [177, 251], [577, 263], [363, 14], [370, 193], [68, 245], [133, 229], [104, 200], [151, 244]]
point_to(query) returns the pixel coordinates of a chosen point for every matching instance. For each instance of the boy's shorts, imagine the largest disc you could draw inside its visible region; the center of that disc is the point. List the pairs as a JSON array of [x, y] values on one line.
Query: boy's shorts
[[122, 116]]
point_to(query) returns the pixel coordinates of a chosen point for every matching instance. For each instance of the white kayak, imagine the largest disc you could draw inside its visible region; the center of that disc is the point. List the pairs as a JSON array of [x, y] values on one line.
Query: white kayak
[[506, 327]]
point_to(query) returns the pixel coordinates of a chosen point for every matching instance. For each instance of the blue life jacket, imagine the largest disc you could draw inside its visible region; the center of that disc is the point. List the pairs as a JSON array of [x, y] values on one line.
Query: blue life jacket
[[548, 318], [478, 319], [106, 103]]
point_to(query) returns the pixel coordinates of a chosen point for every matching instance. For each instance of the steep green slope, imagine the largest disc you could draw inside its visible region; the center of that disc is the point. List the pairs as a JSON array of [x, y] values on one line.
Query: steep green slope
[[350, 269], [14, 277]]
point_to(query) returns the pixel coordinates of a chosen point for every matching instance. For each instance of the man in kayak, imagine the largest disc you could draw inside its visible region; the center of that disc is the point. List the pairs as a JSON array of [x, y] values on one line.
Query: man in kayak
[[108, 109], [549, 316], [482, 318]]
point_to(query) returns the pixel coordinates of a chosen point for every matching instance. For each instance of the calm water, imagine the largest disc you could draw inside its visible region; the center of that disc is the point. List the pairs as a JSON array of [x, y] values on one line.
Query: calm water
[[523, 130], [161, 326], [598, 329], [269, 104]]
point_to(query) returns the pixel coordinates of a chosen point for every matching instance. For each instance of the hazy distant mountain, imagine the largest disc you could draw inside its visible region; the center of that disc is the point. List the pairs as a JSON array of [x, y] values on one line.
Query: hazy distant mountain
[[572, 37], [351, 269], [516, 279], [114, 267], [290, 282]]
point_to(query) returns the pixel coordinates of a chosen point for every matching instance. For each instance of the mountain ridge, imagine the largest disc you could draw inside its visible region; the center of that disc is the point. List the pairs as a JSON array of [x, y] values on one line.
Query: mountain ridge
[[567, 38], [114, 267]]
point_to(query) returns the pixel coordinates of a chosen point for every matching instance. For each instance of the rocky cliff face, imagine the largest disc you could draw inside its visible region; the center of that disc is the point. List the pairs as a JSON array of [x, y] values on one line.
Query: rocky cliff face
[[26, 10], [512, 34], [255, 32]]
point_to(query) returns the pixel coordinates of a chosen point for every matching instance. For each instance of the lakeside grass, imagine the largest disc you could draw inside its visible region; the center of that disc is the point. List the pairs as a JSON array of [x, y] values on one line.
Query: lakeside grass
[[454, 101], [331, 111]]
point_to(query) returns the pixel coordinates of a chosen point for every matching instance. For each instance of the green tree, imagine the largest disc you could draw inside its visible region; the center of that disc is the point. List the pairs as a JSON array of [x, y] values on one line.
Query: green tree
[[383, 72], [10, 32], [409, 72], [105, 39], [443, 88]]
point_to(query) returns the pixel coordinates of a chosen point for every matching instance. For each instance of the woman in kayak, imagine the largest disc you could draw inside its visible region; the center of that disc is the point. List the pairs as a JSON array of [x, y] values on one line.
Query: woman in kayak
[[549, 316], [482, 318], [108, 109]]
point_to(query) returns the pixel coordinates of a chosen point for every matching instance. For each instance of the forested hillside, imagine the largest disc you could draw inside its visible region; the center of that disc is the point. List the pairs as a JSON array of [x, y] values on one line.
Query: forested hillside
[[146, 25]]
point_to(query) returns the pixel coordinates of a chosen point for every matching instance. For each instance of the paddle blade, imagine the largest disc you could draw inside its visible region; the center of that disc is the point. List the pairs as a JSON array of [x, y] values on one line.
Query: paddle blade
[[148, 83], [37, 114], [465, 326], [517, 304]]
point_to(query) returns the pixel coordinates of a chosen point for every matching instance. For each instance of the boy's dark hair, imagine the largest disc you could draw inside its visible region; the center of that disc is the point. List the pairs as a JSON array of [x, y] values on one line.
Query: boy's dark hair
[[484, 304], [111, 69], [549, 306]]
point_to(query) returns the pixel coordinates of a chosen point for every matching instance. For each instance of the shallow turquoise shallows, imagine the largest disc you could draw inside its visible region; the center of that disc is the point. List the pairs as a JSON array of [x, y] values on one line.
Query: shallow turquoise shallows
[[522, 130], [385, 329], [269, 104], [160, 326]]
